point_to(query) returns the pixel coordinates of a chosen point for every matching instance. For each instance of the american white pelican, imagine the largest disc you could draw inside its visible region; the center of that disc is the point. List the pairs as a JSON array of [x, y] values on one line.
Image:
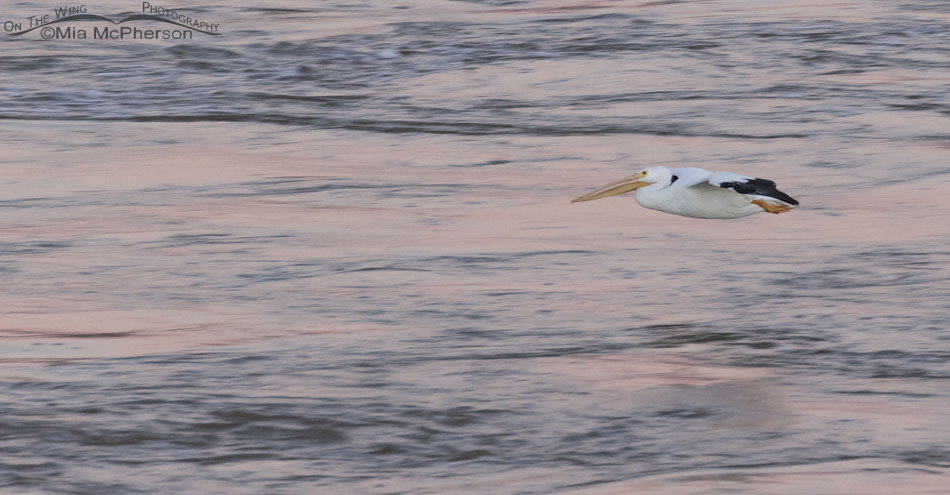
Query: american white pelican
[[694, 192]]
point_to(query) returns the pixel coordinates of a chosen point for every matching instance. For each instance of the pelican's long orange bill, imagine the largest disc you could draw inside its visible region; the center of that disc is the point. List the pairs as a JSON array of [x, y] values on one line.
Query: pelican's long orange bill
[[624, 185]]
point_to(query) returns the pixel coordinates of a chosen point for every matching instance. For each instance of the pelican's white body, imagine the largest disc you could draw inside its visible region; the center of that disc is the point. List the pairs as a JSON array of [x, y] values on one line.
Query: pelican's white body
[[694, 195]]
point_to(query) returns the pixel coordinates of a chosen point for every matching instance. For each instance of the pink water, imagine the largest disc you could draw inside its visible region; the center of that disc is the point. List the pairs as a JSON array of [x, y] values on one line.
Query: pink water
[[368, 277]]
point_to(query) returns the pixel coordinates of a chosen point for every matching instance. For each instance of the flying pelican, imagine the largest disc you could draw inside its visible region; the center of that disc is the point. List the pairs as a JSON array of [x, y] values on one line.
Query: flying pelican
[[698, 193]]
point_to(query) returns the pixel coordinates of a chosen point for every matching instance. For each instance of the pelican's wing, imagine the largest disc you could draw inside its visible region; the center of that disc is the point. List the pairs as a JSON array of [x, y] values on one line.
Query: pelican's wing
[[689, 176], [749, 186]]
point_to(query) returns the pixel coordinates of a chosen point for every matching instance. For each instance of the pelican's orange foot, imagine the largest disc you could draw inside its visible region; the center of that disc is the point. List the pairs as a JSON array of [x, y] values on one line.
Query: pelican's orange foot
[[771, 207]]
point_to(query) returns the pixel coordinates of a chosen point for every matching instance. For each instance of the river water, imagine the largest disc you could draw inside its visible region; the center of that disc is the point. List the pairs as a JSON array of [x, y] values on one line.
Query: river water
[[331, 250]]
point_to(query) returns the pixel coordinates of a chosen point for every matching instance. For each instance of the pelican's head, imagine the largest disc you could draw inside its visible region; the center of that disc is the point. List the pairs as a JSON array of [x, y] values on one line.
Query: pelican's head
[[645, 177]]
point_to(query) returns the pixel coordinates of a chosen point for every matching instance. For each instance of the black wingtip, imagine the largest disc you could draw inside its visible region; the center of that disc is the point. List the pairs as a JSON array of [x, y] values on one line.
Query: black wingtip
[[760, 187]]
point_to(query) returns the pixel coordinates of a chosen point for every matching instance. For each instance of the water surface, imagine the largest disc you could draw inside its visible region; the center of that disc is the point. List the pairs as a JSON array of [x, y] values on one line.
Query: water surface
[[332, 251]]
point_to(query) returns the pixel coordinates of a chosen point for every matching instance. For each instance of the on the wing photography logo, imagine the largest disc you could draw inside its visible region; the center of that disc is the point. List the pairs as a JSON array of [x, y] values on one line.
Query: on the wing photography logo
[[71, 23]]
